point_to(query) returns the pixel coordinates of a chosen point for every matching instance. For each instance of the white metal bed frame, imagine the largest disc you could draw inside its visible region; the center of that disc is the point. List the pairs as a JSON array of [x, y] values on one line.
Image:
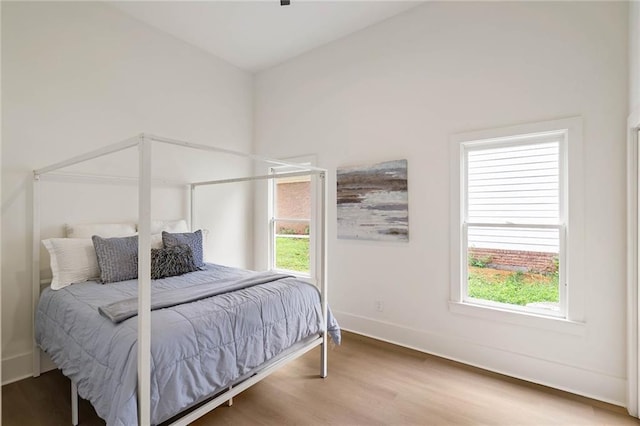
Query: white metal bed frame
[[144, 143]]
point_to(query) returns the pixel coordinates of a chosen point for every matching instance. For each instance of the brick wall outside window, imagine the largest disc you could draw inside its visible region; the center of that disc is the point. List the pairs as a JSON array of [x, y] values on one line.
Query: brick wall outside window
[[515, 260], [293, 201]]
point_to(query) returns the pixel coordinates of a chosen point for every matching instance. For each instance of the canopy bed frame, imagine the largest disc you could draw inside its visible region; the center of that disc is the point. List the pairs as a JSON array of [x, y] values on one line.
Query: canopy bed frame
[[144, 144]]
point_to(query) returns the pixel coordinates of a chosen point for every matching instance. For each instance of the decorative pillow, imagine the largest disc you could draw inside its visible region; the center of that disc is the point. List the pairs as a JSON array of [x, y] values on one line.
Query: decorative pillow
[[73, 260], [172, 226], [104, 230], [192, 239], [172, 261], [117, 258]]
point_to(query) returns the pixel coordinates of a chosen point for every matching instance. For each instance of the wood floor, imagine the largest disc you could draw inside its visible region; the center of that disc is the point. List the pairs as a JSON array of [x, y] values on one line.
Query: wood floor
[[369, 383]]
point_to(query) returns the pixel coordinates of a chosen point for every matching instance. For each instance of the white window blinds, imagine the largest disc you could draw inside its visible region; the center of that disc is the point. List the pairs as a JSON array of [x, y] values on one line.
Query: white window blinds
[[516, 184]]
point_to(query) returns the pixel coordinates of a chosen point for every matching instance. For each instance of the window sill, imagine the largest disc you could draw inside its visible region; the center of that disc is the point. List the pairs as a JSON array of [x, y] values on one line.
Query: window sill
[[525, 319], [299, 275]]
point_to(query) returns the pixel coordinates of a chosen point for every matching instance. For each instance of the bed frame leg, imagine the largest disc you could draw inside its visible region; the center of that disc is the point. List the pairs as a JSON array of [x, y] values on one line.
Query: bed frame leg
[[230, 401], [74, 404], [323, 357]]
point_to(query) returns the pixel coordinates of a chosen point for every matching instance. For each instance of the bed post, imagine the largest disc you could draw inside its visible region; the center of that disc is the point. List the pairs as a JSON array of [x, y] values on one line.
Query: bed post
[[192, 205], [74, 404], [35, 270], [323, 271], [144, 283]]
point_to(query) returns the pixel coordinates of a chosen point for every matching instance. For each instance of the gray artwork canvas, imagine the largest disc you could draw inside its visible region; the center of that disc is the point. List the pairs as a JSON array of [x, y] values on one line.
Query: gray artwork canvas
[[373, 202]]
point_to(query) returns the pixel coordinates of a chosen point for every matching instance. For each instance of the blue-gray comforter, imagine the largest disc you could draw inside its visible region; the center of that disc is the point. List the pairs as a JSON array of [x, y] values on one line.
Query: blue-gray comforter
[[197, 348]]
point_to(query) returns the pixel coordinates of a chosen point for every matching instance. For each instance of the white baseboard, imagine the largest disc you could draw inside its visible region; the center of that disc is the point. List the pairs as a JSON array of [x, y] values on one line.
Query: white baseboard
[[580, 381], [19, 367]]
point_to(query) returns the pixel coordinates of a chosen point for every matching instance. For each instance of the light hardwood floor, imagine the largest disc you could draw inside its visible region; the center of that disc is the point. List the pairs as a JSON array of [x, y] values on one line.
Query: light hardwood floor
[[369, 383]]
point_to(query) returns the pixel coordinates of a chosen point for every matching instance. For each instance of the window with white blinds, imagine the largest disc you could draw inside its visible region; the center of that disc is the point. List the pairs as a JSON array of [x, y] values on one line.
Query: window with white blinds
[[514, 184], [513, 222]]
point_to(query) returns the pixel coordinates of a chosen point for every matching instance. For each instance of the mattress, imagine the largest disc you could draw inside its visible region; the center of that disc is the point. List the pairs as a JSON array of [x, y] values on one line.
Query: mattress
[[197, 348]]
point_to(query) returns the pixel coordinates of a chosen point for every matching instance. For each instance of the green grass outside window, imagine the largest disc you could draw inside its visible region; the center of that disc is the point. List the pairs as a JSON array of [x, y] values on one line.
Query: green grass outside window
[[292, 254], [515, 288]]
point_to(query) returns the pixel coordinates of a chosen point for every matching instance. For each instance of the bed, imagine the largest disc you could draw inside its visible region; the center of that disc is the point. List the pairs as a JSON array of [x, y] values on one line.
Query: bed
[[142, 360], [198, 349]]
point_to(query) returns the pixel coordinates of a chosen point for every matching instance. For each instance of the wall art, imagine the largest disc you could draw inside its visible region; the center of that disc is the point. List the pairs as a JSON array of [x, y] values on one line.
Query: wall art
[[373, 202]]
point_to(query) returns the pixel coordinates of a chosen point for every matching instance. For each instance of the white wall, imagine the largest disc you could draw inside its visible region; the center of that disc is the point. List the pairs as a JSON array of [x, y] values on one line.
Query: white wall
[[399, 90], [77, 76]]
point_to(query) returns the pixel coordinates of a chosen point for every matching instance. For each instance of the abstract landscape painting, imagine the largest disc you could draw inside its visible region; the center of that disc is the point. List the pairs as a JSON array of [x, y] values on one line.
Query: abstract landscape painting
[[373, 202]]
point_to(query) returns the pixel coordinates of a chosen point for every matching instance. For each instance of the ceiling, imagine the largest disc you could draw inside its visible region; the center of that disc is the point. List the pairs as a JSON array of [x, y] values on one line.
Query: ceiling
[[255, 35]]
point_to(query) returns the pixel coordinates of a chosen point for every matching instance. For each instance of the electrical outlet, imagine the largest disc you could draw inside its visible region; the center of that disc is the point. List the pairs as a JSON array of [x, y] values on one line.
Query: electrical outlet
[[379, 306]]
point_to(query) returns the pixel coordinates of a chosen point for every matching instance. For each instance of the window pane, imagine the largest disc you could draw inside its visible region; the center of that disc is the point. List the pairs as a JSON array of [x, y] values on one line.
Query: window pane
[[517, 266], [293, 198], [292, 201], [294, 228], [292, 245], [516, 184]]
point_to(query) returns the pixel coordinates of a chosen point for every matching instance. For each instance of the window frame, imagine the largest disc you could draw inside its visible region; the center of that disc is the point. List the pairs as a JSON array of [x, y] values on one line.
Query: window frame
[[272, 218], [570, 222], [560, 226]]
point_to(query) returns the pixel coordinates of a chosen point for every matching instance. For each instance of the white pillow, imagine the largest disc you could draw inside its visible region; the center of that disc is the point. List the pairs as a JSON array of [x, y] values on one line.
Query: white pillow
[[156, 241], [171, 226], [73, 260], [104, 230]]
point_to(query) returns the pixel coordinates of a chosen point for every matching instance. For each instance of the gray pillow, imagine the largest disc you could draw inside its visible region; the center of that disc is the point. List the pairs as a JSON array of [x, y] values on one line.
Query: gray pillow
[[117, 258], [192, 239], [172, 261]]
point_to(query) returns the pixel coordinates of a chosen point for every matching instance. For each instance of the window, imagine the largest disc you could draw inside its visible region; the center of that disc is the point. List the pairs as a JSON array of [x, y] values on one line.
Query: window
[[290, 213], [512, 223]]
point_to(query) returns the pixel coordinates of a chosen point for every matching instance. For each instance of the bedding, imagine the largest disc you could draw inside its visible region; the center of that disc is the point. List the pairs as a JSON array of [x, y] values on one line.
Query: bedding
[[73, 260], [192, 239], [110, 230], [156, 241], [173, 226], [171, 261], [198, 348], [180, 225], [127, 308], [117, 258]]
